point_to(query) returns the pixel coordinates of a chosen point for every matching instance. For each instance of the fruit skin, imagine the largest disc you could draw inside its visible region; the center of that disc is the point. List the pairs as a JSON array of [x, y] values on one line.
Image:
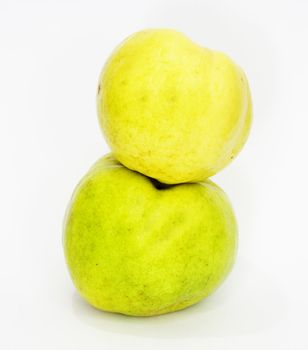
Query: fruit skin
[[171, 109], [134, 249]]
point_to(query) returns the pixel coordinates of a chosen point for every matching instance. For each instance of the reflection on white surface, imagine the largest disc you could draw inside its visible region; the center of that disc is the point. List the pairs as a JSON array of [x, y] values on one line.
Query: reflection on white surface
[[239, 307]]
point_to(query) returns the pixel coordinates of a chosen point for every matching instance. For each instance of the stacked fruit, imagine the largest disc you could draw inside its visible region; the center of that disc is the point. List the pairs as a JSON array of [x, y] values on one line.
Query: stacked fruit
[[145, 232]]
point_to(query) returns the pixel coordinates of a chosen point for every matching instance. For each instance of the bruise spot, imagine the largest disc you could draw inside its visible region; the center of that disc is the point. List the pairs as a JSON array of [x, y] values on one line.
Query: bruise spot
[[98, 89]]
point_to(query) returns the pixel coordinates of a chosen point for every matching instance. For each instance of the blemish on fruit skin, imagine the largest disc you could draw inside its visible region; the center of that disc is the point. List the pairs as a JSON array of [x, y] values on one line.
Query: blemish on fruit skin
[[98, 89]]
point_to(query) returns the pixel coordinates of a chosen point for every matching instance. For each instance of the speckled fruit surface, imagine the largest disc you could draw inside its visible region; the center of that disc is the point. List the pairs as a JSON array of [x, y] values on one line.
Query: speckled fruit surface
[[137, 247], [171, 109]]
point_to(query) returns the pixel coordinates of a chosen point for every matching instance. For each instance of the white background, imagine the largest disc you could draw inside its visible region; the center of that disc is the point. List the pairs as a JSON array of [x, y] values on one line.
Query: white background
[[51, 53]]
